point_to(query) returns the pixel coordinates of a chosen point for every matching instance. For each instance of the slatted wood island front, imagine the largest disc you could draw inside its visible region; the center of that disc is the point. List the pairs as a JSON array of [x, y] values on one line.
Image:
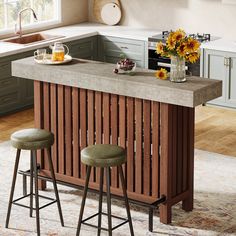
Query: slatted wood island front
[[84, 103]]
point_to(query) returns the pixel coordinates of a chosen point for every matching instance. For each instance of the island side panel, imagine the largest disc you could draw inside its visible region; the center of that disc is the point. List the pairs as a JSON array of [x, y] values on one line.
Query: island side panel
[[177, 158]]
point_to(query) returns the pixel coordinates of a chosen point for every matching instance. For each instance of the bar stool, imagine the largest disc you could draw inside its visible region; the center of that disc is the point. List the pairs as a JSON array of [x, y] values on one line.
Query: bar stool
[[33, 140], [104, 156]]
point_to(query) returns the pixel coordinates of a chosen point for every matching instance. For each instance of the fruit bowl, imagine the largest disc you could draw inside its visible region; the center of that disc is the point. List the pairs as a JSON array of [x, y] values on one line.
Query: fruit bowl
[[126, 66]]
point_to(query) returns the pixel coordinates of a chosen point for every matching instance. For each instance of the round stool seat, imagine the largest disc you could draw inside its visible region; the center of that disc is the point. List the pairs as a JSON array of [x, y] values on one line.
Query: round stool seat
[[32, 139], [103, 155]]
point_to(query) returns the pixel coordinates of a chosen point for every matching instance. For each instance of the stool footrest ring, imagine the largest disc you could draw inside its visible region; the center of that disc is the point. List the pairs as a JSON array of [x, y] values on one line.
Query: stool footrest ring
[[103, 213], [15, 202]]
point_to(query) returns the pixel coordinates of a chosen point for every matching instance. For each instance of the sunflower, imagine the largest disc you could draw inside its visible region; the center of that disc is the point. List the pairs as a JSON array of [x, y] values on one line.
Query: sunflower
[[192, 45], [171, 42], [161, 74], [181, 50], [159, 48], [178, 35], [193, 57]]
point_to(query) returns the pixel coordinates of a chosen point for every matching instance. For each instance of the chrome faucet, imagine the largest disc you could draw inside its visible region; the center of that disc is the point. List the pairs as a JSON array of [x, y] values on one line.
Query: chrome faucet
[[19, 30]]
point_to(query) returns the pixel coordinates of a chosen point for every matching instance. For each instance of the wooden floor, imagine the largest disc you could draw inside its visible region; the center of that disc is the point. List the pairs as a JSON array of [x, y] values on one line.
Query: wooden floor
[[215, 128]]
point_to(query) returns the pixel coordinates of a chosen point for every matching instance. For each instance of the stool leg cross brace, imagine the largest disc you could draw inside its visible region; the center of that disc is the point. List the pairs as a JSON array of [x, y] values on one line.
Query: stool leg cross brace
[[100, 213]]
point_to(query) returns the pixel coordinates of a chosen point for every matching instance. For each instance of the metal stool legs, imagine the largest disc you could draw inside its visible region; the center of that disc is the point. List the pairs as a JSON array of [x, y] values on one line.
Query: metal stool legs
[[109, 201], [83, 200], [36, 191], [126, 200], [31, 183], [34, 174], [109, 215], [55, 186], [13, 187], [100, 201]]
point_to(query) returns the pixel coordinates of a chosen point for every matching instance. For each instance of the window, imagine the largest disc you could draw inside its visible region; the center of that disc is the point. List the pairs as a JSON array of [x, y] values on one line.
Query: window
[[47, 11]]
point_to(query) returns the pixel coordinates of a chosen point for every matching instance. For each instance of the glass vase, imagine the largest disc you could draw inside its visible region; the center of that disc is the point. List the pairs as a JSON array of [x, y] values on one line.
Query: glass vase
[[177, 70]]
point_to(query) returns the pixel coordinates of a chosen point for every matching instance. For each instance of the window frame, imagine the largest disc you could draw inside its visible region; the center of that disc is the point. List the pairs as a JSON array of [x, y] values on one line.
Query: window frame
[[37, 25]]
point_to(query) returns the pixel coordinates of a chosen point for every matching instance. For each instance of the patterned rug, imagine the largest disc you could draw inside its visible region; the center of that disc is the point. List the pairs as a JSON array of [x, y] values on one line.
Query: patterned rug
[[214, 212]]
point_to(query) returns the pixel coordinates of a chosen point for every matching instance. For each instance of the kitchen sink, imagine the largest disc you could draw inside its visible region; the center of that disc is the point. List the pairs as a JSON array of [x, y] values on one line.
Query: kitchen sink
[[32, 38]]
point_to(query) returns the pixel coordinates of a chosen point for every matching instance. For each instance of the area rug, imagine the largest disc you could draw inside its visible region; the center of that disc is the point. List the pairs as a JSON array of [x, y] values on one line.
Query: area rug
[[214, 209]]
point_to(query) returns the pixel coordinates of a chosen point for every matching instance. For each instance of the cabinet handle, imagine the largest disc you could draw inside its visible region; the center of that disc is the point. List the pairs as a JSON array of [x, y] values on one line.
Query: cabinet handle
[[227, 61], [123, 47]]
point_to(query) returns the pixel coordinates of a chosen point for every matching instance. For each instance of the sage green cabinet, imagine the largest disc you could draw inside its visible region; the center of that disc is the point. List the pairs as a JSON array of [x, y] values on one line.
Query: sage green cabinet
[[222, 66], [17, 93], [84, 48], [111, 48]]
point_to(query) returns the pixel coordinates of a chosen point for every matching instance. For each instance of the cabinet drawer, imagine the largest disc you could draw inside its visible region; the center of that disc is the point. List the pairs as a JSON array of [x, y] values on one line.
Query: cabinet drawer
[[5, 70], [7, 83], [114, 60], [116, 46], [9, 99]]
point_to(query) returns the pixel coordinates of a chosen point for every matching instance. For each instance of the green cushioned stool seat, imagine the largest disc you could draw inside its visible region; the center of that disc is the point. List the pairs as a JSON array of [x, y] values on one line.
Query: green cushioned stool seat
[[32, 139], [103, 155]]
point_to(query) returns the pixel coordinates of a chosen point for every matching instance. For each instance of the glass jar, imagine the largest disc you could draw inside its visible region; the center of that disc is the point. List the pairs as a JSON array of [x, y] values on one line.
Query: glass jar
[[177, 69], [59, 52]]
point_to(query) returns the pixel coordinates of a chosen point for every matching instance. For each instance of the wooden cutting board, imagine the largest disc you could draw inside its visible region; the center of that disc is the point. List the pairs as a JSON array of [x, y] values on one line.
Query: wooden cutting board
[[97, 7]]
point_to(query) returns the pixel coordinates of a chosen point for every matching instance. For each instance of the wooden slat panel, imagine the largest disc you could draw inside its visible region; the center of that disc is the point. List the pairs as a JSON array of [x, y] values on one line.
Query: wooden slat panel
[[114, 136], [185, 148], [139, 145], [83, 127], [155, 149], [147, 147], [180, 149], [98, 110], [68, 131], [175, 150], [53, 112], [38, 118], [130, 144], [91, 125], [61, 129], [122, 130], [166, 161], [106, 118], [76, 132], [46, 118], [188, 203]]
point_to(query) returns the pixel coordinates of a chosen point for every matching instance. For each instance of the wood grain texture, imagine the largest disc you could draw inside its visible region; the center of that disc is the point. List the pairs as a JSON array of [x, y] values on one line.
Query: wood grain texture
[[83, 127], [61, 128], [68, 131], [53, 120], [76, 131], [139, 145]]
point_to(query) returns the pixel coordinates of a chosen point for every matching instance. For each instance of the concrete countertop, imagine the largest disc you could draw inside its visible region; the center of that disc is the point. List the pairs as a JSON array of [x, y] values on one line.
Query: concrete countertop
[[79, 31], [221, 45], [99, 76]]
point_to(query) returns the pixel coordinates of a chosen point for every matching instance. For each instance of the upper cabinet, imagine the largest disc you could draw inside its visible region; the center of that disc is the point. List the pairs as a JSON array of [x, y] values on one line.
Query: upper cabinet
[[222, 66]]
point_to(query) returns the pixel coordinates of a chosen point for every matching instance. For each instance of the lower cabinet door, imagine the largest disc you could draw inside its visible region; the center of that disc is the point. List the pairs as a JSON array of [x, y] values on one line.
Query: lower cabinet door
[[9, 101], [215, 68], [231, 93]]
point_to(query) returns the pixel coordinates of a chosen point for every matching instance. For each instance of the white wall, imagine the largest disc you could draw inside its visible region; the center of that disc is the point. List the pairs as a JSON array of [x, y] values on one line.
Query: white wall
[[73, 11], [210, 16]]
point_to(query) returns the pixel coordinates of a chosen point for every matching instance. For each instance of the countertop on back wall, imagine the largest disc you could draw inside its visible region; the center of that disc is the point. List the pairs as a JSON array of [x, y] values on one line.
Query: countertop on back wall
[[83, 30], [221, 45], [79, 31]]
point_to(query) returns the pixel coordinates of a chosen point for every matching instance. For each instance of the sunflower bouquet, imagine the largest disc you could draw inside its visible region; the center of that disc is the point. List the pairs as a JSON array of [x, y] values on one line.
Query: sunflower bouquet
[[179, 45]]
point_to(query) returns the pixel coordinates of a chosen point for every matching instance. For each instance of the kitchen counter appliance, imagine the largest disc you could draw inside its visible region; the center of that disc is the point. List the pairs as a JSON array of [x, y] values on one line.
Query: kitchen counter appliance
[[155, 61]]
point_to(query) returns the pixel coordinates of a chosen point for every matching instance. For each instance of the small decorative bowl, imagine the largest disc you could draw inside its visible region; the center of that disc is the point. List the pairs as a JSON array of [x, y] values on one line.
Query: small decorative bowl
[[126, 69]]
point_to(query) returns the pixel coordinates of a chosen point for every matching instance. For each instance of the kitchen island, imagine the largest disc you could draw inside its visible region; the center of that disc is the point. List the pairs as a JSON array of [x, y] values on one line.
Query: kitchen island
[[85, 103]]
